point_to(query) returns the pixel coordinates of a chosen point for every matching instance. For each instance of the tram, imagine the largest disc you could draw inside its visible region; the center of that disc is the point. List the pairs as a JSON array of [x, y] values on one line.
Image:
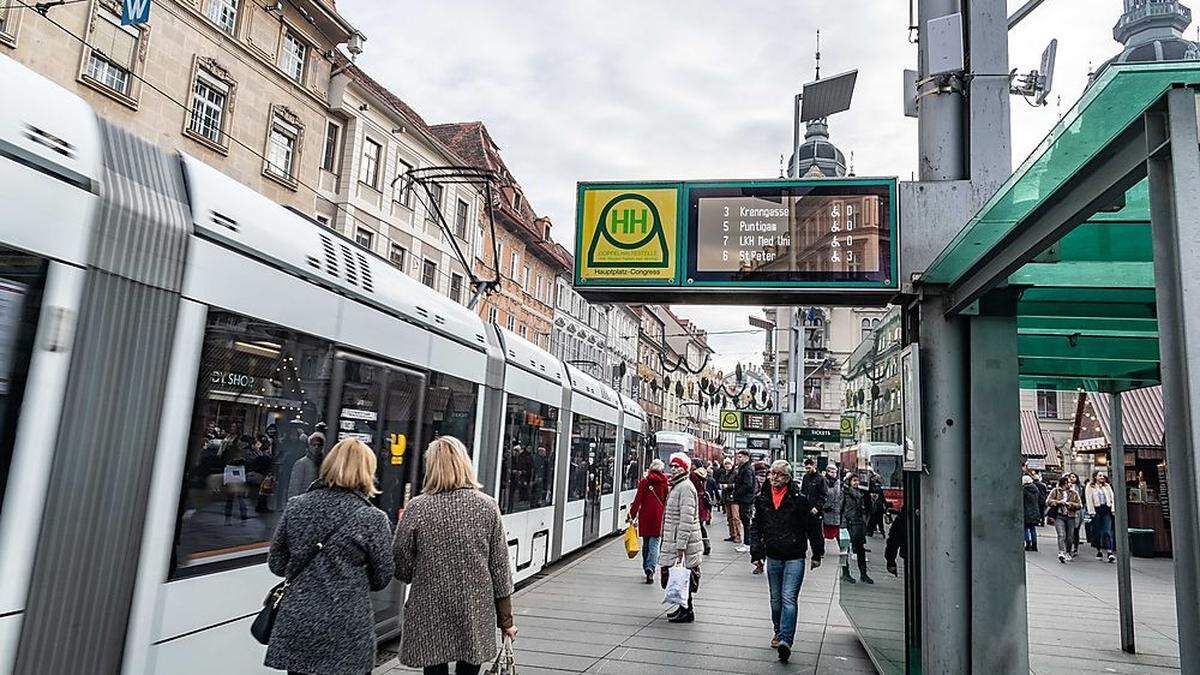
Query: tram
[[885, 460], [669, 442], [173, 344]]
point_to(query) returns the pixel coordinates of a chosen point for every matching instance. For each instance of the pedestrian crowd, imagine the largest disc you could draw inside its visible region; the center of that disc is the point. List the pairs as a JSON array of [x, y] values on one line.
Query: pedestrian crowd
[[782, 520], [334, 547], [1070, 507]]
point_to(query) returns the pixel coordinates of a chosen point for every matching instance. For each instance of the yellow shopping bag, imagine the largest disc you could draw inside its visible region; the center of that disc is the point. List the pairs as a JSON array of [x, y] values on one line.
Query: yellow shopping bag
[[632, 545]]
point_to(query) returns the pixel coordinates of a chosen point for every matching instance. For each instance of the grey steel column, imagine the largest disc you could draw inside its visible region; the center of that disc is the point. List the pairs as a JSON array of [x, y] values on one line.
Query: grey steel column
[[945, 556], [999, 621], [1174, 203], [1121, 518], [940, 127]]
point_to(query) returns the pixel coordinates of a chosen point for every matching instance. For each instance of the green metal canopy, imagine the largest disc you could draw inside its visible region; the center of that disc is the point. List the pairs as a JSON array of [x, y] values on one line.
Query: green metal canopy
[[1070, 230]]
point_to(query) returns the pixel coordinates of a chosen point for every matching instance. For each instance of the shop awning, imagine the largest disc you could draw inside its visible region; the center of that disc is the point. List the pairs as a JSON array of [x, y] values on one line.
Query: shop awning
[[1035, 443], [1071, 231], [1143, 425]]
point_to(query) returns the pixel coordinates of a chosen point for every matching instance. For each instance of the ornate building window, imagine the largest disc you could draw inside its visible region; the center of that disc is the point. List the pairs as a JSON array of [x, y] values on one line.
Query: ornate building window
[[223, 13], [211, 104], [10, 22], [113, 55], [284, 136]]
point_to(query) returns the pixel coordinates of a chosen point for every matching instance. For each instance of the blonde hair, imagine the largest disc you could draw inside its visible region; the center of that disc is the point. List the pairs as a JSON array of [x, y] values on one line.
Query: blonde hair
[[350, 464], [448, 467]]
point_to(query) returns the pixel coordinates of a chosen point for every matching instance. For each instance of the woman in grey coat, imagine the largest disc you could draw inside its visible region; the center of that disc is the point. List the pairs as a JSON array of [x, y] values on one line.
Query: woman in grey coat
[[832, 518], [681, 537], [332, 547], [451, 547]]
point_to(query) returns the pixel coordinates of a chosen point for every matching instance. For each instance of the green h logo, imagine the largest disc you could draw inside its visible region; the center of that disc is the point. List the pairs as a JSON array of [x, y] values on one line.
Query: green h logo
[[626, 221], [632, 234]]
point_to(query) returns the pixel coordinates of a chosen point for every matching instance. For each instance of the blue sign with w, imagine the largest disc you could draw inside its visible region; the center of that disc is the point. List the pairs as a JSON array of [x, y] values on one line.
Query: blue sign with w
[[134, 12]]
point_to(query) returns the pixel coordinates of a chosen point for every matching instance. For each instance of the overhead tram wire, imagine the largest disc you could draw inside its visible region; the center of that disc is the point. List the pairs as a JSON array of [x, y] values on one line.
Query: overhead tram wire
[[338, 206]]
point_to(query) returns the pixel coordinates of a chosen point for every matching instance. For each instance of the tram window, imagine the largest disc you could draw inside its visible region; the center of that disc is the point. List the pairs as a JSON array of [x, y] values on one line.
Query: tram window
[[608, 459], [450, 409], [258, 435], [593, 451], [22, 278], [634, 460], [527, 468]]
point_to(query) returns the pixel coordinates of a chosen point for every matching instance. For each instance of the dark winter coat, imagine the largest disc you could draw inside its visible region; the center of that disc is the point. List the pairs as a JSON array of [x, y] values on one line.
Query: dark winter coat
[[648, 503], [326, 624], [744, 484], [897, 538], [1033, 504], [701, 486], [452, 550], [815, 490], [780, 533], [854, 507]]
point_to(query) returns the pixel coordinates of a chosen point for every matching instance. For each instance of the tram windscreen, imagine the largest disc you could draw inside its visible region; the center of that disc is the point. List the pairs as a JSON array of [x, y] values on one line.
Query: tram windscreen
[[665, 450], [889, 470]]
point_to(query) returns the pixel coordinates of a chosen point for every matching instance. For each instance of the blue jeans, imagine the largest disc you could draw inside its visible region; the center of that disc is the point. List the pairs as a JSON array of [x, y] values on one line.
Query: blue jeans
[[649, 554], [1030, 535], [784, 578]]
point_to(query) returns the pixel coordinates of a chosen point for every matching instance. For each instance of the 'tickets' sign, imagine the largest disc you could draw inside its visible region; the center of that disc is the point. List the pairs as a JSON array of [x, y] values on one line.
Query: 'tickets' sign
[[627, 234]]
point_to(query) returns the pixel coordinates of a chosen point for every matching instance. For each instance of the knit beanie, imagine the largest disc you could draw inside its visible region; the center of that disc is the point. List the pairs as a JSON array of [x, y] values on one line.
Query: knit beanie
[[681, 460]]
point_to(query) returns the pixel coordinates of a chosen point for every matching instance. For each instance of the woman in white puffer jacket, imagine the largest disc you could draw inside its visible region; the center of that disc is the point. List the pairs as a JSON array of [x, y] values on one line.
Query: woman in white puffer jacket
[[682, 541]]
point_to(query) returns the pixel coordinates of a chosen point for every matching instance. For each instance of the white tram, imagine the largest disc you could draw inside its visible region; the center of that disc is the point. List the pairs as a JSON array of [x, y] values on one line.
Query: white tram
[[172, 343]]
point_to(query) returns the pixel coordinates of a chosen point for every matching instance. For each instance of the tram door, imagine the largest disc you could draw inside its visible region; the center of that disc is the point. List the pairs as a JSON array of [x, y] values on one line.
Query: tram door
[[381, 404], [591, 499]]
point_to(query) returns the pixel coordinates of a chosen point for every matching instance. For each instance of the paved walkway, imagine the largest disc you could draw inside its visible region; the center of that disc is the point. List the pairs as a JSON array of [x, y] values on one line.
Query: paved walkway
[[593, 614], [1074, 622]]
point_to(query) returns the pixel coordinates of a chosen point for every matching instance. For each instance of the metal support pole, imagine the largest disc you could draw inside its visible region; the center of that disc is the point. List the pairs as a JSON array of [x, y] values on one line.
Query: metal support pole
[[1121, 516], [1174, 202], [946, 510], [999, 613], [940, 126]]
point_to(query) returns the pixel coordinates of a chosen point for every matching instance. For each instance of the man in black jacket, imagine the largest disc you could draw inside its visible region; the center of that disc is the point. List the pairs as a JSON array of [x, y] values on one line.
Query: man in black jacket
[[812, 484], [743, 495], [780, 535]]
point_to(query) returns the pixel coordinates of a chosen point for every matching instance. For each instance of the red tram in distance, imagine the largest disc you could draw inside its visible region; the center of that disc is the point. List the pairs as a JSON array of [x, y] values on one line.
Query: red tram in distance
[[884, 460]]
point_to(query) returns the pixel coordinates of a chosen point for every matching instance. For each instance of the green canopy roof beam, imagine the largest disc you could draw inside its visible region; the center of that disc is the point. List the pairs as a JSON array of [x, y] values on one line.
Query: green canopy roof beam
[[1096, 369], [1097, 185], [1075, 384], [1086, 274], [1088, 324], [1126, 347]]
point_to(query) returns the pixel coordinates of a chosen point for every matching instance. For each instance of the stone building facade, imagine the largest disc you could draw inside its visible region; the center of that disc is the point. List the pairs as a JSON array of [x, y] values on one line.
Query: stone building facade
[[240, 86], [651, 347], [521, 253], [372, 139], [581, 332]]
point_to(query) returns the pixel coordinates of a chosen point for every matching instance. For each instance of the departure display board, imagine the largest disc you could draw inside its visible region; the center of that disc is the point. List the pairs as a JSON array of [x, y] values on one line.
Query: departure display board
[[806, 233], [739, 242]]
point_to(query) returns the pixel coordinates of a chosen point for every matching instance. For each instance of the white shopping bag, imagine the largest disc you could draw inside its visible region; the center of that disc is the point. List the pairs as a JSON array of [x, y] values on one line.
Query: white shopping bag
[[677, 586], [235, 474]]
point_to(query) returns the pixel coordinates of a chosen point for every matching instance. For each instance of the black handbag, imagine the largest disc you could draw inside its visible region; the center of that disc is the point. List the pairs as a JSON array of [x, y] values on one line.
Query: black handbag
[[264, 623]]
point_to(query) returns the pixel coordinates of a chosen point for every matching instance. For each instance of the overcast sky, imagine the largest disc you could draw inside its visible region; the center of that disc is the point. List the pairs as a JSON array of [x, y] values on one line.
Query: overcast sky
[[619, 89]]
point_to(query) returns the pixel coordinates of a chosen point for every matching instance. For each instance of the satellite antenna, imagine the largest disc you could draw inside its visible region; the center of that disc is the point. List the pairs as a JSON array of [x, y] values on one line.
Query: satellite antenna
[[1045, 81], [1038, 83], [822, 98]]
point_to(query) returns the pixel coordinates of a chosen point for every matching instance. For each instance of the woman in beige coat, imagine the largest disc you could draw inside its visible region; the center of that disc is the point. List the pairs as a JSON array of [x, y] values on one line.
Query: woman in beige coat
[[681, 538], [451, 548]]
